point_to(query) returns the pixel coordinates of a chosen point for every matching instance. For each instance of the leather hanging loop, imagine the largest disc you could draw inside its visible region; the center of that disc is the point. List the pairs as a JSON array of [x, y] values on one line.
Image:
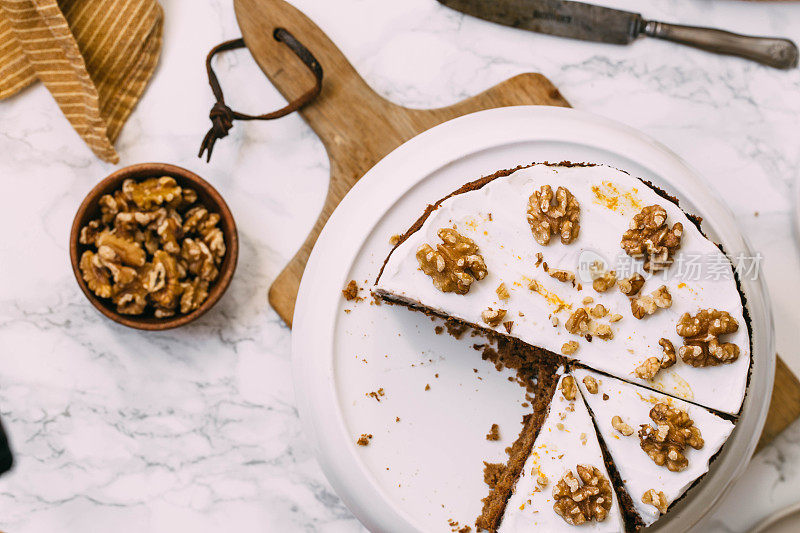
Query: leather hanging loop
[[222, 116]]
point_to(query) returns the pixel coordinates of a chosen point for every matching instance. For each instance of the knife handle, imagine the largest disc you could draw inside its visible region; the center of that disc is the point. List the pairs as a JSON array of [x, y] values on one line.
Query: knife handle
[[778, 53]]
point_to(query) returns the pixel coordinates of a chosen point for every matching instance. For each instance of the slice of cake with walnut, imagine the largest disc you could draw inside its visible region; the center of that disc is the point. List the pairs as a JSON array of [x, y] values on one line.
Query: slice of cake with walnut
[[585, 261], [660, 445], [564, 483]]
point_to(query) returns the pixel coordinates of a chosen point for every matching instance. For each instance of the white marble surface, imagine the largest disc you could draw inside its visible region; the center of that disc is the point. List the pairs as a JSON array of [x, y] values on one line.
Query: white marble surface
[[196, 429]]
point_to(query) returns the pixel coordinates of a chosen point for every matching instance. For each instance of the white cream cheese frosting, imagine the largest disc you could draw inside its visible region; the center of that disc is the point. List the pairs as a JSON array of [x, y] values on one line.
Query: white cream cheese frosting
[[567, 439], [495, 217], [638, 472]]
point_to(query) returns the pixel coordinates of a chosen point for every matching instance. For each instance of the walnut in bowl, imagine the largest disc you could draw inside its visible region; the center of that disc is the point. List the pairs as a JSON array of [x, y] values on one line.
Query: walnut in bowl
[[153, 246]]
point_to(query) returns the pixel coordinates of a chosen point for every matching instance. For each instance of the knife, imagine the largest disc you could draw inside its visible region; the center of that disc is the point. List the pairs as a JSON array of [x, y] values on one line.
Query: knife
[[578, 20]]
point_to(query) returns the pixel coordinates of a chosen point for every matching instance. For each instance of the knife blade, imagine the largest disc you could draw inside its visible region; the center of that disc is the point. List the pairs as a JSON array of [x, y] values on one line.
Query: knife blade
[[556, 17], [578, 20]]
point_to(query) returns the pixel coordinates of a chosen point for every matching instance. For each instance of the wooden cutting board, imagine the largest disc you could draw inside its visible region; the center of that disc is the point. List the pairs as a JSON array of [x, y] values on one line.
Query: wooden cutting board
[[359, 127]]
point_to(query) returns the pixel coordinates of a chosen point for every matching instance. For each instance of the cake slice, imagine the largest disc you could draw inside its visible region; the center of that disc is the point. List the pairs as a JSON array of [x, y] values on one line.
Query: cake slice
[[587, 261], [659, 445], [564, 482]]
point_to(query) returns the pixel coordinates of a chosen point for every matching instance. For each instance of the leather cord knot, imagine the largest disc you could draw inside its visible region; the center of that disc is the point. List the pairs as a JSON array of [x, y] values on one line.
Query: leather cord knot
[[222, 116], [221, 123]]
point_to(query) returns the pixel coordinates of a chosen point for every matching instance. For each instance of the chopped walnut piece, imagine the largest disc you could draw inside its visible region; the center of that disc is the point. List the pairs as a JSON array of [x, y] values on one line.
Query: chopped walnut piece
[[455, 264], [649, 368], [169, 233], [199, 259], [564, 276], [89, 232], [350, 291], [550, 215], [632, 285], [123, 250], [151, 192], [111, 205], [130, 300], [666, 443], [502, 292], [165, 291], [578, 322], [605, 282], [568, 388], [193, 294], [578, 502], [493, 317], [591, 384], [652, 365], [656, 499], [109, 259], [620, 425], [598, 311], [651, 239], [569, 348], [701, 338], [95, 275], [668, 357], [603, 331], [647, 305]]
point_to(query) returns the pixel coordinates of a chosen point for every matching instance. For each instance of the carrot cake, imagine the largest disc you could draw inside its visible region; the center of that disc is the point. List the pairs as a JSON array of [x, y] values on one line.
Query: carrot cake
[[600, 269]]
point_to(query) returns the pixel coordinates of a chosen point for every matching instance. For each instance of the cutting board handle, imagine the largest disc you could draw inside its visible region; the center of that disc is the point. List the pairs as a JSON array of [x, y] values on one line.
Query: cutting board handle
[[357, 126], [341, 83]]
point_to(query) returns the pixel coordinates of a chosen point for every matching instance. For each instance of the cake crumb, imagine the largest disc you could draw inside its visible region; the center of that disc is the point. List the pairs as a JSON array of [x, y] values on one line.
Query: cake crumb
[[605, 397], [350, 291], [364, 439], [455, 329], [494, 433], [394, 239], [377, 394], [438, 329], [397, 419], [427, 387]]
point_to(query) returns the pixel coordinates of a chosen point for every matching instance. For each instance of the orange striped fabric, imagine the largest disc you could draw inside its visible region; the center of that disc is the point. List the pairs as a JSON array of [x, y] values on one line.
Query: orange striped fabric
[[94, 56]]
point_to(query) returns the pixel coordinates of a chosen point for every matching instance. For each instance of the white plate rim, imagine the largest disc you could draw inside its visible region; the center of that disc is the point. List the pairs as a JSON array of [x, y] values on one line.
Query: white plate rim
[[354, 218]]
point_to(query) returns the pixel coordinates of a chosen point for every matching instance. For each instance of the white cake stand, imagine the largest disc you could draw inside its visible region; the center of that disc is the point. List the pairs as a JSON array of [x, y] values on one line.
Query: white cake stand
[[424, 463]]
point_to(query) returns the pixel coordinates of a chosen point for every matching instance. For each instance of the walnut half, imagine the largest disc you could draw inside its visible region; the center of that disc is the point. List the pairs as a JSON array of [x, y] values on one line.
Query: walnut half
[[584, 500], [656, 499], [455, 264], [550, 214], [701, 333], [665, 443], [651, 239]]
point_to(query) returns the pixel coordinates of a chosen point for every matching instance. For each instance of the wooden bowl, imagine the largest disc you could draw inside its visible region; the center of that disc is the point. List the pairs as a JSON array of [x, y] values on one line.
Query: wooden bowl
[[206, 194]]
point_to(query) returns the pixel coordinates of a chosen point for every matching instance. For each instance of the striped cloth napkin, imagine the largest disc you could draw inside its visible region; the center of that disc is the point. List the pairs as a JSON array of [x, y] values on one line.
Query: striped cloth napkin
[[94, 56]]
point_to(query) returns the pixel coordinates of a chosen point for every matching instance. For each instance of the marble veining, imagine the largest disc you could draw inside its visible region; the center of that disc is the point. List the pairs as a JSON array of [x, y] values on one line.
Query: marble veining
[[197, 429]]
